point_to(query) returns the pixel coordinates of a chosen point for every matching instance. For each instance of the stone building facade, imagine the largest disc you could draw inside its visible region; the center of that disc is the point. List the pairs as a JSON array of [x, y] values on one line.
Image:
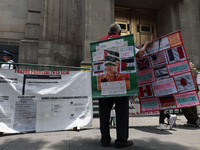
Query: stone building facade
[[58, 32]]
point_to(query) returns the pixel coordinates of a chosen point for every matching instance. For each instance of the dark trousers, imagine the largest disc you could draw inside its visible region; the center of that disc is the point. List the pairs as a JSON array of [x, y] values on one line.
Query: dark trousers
[[163, 115], [122, 118], [190, 114]]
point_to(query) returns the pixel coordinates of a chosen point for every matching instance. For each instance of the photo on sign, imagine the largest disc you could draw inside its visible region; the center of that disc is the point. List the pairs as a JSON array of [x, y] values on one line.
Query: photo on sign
[[174, 39], [143, 63], [178, 68], [112, 70], [176, 54], [146, 76], [158, 59], [98, 68], [187, 99], [111, 57], [127, 65], [158, 45], [167, 102], [145, 91], [161, 72], [164, 87], [149, 104], [111, 76], [184, 82]]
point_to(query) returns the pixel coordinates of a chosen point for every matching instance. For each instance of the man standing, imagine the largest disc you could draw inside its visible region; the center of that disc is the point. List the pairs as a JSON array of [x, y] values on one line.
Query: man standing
[[190, 113], [8, 58], [121, 104]]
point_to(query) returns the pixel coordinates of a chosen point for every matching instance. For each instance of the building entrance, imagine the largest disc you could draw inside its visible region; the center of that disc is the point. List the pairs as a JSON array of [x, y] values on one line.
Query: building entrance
[[140, 22]]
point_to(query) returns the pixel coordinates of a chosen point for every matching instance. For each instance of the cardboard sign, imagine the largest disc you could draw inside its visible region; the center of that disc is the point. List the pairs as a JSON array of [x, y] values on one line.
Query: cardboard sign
[[166, 79], [114, 74]]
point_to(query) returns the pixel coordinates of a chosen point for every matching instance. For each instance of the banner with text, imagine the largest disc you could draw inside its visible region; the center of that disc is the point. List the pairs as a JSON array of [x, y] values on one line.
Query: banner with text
[[164, 75], [44, 100], [114, 67]]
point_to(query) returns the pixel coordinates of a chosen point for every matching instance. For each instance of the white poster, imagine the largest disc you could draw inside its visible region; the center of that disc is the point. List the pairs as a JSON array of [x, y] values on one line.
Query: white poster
[[110, 44], [44, 100], [164, 87], [127, 51], [184, 82], [112, 88], [157, 46]]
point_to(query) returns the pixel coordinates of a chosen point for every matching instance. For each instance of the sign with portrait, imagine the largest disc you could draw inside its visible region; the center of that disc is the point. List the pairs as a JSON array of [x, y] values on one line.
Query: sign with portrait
[[114, 67]]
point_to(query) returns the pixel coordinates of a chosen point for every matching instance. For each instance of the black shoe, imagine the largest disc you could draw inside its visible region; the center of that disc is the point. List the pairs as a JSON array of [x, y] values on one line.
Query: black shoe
[[105, 143], [124, 144]]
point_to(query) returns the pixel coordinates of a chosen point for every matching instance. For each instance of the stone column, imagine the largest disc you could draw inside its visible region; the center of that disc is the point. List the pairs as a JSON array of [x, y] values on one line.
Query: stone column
[[190, 28], [62, 31], [98, 16], [29, 45], [182, 15]]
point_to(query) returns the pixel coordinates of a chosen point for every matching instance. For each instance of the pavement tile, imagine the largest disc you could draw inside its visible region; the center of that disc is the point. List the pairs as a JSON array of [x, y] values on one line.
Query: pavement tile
[[143, 132]]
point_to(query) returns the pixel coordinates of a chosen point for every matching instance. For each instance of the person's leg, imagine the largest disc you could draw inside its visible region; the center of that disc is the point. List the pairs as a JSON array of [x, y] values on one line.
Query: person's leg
[[161, 120], [162, 117], [105, 106], [122, 122], [122, 118], [194, 109], [190, 114]]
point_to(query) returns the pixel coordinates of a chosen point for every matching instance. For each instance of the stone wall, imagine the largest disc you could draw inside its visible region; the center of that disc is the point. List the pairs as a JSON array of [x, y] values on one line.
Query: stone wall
[[183, 16], [190, 28], [62, 30], [13, 20], [46, 31], [28, 50], [98, 16]]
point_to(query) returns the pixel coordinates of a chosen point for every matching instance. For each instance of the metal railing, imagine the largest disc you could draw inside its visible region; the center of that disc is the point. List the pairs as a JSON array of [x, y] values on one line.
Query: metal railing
[[41, 67]]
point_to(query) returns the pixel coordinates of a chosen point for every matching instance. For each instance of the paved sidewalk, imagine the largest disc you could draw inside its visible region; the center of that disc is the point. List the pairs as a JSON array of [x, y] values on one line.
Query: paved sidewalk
[[143, 131]]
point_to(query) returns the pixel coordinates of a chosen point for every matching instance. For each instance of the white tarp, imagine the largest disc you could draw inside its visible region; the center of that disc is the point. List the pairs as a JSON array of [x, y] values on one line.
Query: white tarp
[[44, 100]]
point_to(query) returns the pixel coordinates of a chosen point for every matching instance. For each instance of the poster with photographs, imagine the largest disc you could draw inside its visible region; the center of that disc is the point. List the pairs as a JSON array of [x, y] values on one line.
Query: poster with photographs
[[164, 75], [114, 67]]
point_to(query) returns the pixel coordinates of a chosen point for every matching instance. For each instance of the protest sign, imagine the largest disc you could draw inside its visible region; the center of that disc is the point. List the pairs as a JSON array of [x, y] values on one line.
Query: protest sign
[[134, 108], [114, 67], [164, 75], [44, 100]]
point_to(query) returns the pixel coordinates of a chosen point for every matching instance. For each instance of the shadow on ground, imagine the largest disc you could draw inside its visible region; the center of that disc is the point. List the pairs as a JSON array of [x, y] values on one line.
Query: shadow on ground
[[70, 140]]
